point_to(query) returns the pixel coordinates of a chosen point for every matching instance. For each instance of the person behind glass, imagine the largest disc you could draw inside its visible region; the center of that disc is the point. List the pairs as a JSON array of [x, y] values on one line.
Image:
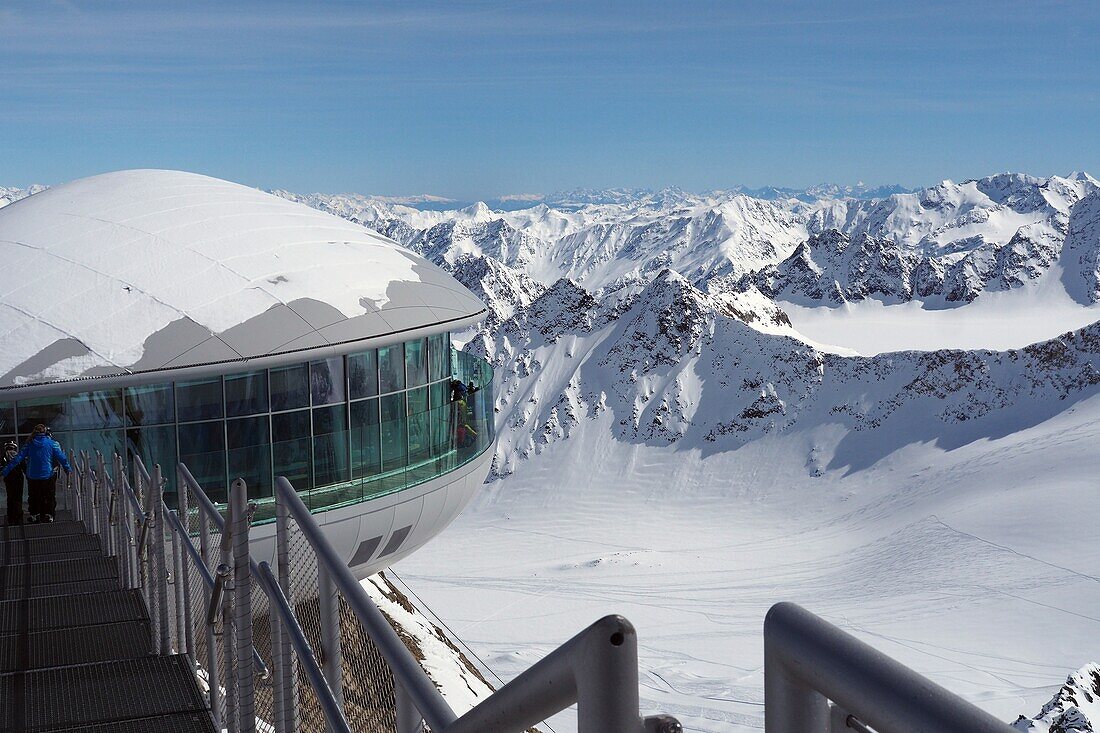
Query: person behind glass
[[40, 452], [13, 482], [458, 390]]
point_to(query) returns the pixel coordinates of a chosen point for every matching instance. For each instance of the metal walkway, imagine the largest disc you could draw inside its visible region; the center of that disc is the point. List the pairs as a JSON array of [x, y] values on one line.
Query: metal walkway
[[75, 645]]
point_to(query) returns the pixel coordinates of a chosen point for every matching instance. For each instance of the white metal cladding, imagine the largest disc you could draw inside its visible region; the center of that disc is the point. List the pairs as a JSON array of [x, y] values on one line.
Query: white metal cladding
[[139, 272]]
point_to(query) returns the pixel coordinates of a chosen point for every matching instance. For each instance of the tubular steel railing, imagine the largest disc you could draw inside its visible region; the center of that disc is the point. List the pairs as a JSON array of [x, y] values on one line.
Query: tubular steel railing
[[301, 646], [254, 633], [819, 678]]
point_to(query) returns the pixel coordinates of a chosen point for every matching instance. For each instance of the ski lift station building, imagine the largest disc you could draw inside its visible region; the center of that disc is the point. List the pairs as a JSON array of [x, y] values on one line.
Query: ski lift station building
[[179, 317]]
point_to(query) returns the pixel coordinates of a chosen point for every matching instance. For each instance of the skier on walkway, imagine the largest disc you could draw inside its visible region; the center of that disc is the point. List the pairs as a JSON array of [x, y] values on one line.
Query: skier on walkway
[[40, 452]]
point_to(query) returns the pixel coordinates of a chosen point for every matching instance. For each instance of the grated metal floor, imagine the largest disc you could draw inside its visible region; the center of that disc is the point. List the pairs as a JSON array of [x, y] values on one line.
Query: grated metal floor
[[51, 612], [42, 548], [178, 723], [67, 697], [74, 647], [52, 572]]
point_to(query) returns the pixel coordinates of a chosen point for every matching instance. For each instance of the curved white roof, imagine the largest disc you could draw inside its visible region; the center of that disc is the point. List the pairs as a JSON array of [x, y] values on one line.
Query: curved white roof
[[147, 270]]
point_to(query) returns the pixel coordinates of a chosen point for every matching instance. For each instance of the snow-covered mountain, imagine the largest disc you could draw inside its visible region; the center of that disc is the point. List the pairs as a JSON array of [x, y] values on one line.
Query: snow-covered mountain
[[674, 441], [1075, 708], [942, 246], [10, 195]]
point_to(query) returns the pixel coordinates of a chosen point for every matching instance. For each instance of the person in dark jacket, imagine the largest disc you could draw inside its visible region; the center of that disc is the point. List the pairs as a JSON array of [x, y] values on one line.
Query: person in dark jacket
[[13, 482], [40, 452]]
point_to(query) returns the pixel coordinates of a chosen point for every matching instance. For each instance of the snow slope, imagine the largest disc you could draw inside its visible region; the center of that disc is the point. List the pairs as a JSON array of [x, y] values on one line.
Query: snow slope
[[678, 447], [974, 565]]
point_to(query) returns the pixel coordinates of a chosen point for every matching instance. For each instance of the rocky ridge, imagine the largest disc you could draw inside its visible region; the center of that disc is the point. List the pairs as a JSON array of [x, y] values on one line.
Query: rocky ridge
[[1075, 708]]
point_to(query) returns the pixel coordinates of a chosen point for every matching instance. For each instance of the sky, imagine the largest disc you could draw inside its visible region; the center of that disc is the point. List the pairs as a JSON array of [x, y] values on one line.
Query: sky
[[480, 99]]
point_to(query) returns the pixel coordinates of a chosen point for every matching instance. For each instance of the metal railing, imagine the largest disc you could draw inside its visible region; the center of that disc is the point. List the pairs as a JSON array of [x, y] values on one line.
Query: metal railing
[[301, 646], [820, 679], [254, 633]]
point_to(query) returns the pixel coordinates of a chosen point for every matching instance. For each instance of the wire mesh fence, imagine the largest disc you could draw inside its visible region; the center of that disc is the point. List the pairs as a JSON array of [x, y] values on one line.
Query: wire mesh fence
[[307, 650]]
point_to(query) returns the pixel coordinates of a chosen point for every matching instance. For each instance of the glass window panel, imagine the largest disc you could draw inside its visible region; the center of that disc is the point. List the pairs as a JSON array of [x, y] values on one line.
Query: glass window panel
[[395, 436], [202, 450], [290, 387], [149, 405], [326, 380], [419, 434], [249, 453], [438, 353], [330, 445], [199, 400], [49, 411], [363, 374], [156, 445], [102, 409], [7, 417], [107, 442], [416, 362], [391, 368], [292, 448], [366, 453], [246, 394], [87, 410], [439, 394]]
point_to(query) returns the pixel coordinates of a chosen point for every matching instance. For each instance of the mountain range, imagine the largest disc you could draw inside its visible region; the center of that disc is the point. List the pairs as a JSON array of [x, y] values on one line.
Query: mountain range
[[655, 345], [656, 329]]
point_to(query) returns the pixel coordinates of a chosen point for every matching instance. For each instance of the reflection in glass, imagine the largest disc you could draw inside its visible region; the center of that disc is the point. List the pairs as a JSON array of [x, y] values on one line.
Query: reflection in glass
[[199, 400], [391, 368], [149, 404], [202, 449], [390, 442], [249, 452], [366, 455], [438, 356], [363, 374], [395, 437], [416, 362], [49, 411], [330, 445], [155, 445], [107, 442], [101, 409], [292, 448], [326, 380], [245, 394], [419, 434], [290, 387]]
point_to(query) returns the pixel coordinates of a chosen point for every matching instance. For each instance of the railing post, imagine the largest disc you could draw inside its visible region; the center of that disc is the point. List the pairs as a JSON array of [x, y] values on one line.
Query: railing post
[[74, 488], [329, 607], [104, 504], [160, 577], [213, 678], [789, 706], [287, 672], [88, 488], [409, 719], [185, 576], [242, 607], [229, 635], [177, 586]]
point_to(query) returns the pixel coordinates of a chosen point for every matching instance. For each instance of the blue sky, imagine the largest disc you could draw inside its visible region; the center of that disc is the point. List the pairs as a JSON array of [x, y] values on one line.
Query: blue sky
[[477, 99]]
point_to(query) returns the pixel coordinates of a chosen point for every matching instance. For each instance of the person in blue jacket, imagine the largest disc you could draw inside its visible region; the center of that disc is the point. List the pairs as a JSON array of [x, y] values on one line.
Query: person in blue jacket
[[39, 453]]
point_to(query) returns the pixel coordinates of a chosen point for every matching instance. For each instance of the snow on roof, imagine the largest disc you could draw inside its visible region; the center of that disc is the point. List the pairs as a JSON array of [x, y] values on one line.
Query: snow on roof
[[147, 269]]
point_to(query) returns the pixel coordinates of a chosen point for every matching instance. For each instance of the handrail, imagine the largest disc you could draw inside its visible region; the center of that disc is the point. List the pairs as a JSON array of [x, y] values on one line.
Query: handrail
[[808, 662], [334, 715], [207, 506], [419, 686]]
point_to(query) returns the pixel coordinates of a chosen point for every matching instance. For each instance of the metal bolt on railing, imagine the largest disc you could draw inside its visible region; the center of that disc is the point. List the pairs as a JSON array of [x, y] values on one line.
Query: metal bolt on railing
[[221, 576]]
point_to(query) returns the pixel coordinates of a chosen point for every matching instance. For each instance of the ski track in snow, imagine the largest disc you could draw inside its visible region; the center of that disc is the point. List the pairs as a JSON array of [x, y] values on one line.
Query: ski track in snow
[[995, 605]]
